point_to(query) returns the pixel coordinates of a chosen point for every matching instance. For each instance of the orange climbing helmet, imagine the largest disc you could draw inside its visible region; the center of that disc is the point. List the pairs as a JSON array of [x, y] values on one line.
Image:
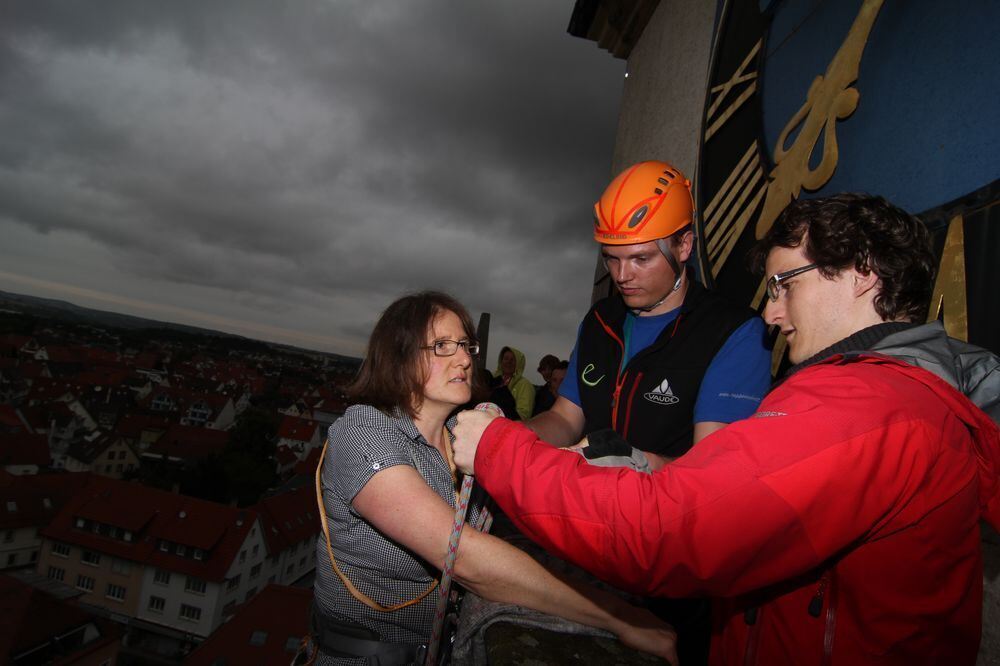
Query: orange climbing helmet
[[645, 202]]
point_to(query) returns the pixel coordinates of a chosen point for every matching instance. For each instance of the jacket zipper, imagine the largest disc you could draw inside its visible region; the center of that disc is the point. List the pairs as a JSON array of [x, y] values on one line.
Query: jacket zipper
[[831, 618], [628, 404], [826, 590], [753, 618], [619, 377]]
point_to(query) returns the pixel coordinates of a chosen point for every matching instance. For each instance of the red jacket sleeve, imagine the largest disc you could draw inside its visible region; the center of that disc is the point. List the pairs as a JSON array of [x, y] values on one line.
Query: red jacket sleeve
[[822, 465]]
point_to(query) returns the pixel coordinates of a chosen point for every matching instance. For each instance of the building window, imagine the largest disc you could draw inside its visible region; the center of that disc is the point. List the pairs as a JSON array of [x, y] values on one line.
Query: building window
[[164, 546], [258, 638], [85, 583], [161, 577], [256, 549], [252, 591], [8, 536], [199, 554], [271, 578], [34, 556], [127, 536], [233, 582], [55, 573], [119, 467], [116, 592], [90, 557], [192, 613], [156, 604], [81, 523], [120, 566], [243, 556], [12, 506], [289, 568], [181, 550], [46, 502], [229, 608], [254, 571], [12, 559], [195, 585]]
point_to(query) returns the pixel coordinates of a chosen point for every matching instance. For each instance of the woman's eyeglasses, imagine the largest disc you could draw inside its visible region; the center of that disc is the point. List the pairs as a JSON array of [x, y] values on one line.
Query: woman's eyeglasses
[[450, 347]]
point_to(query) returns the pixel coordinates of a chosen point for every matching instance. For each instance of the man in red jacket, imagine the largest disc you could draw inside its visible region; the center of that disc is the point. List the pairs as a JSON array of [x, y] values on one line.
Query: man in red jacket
[[840, 523]]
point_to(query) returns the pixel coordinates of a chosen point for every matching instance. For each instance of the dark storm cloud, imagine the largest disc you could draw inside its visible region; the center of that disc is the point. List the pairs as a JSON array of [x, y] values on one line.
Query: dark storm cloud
[[288, 154]]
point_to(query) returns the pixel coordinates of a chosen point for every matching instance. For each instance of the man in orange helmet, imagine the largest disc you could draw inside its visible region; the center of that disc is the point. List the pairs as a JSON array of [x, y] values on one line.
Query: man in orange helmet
[[663, 362]]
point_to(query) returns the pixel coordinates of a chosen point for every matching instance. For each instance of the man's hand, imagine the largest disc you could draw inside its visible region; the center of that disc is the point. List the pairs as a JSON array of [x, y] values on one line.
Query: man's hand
[[468, 431]]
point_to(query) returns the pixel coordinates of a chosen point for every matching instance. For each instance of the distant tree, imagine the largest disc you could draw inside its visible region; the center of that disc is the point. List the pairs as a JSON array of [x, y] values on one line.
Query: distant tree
[[254, 433], [247, 464], [248, 476], [208, 479]]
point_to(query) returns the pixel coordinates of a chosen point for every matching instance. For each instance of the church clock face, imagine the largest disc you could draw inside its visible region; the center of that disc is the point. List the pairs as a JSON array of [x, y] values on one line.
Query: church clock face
[[733, 162], [809, 99]]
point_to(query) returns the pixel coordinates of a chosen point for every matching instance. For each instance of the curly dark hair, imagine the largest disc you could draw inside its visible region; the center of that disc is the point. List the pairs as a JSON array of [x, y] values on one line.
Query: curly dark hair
[[394, 370], [868, 233]]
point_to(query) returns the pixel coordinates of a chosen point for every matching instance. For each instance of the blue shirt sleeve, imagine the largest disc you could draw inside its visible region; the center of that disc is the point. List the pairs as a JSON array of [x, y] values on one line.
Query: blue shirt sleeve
[[570, 388], [737, 378]]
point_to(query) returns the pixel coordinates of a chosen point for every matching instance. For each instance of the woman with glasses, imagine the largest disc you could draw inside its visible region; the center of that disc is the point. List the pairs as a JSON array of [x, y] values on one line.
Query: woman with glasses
[[389, 491]]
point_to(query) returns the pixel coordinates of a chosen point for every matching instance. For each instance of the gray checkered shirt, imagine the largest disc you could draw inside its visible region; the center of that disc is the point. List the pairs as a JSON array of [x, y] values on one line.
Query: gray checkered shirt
[[361, 444]]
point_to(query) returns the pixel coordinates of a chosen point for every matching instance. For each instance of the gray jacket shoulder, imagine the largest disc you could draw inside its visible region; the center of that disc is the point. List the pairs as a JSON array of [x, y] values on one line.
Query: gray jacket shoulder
[[972, 370]]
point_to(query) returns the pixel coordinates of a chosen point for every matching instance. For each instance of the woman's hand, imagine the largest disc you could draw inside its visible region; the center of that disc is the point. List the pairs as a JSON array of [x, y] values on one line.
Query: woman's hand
[[468, 431], [641, 630]]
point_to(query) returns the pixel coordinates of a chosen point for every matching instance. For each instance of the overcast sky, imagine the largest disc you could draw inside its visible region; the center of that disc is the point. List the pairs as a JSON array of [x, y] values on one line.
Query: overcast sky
[[284, 170]]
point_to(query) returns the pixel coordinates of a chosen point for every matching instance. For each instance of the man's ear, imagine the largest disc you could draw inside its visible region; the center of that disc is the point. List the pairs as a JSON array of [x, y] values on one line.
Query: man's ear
[[864, 283], [686, 246]]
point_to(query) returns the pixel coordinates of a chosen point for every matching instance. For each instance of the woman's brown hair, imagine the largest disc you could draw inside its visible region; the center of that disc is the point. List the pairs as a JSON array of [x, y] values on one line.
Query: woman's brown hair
[[393, 373]]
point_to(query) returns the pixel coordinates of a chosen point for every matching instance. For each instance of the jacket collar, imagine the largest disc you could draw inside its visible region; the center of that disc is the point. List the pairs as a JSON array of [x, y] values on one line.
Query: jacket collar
[[613, 309]]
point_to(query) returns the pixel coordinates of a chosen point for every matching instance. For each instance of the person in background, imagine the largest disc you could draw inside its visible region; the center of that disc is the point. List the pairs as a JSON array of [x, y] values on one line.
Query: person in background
[[545, 395], [509, 378], [840, 524], [545, 367], [388, 498]]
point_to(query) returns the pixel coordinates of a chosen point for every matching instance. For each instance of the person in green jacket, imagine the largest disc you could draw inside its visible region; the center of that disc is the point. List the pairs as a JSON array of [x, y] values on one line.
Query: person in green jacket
[[509, 375]]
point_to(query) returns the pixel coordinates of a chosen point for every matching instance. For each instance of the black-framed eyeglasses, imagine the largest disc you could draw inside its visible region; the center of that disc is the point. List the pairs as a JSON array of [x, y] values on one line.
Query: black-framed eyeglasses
[[774, 282], [450, 347]]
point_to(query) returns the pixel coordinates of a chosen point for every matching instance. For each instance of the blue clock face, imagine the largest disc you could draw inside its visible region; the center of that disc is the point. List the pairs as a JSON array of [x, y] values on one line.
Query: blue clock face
[[810, 98]]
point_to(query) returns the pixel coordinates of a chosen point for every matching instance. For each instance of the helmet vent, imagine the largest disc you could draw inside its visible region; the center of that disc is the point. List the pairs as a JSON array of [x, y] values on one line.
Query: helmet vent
[[637, 216], [663, 181], [658, 191]]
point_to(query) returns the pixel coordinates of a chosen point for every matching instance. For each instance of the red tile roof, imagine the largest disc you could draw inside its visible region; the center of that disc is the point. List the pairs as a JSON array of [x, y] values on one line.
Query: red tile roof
[[288, 518], [37, 498], [299, 429], [9, 420], [61, 354], [190, 442], [32, 618], [285, 456], [162, 516], [132, 426], [261, 631], [21, 448], [308, 466]]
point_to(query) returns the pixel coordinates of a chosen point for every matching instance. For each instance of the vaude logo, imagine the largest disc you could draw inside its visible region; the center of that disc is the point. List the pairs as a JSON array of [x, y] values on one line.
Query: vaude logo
[[662, 394]]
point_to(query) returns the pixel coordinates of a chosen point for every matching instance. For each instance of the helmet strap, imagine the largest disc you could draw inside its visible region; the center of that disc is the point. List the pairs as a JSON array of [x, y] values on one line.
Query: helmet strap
[[678, 281], [664, 246]]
